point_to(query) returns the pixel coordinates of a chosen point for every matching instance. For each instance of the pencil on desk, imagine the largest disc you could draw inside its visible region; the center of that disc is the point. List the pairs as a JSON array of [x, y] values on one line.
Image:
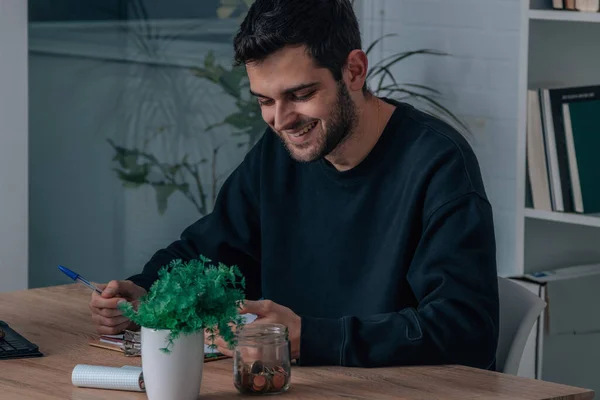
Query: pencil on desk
[[106, 346]]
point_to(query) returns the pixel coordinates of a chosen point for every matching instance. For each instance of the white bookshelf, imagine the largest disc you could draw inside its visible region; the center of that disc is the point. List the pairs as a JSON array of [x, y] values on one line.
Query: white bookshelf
[[557, 48], [567, 218], [555, 15]]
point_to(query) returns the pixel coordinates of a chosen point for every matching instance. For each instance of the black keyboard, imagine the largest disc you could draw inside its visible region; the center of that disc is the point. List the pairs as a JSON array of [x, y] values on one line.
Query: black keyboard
[[13, 345]]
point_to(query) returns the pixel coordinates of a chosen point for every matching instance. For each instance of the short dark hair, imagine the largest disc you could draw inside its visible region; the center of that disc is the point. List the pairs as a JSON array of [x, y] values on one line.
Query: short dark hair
[[328, 28]]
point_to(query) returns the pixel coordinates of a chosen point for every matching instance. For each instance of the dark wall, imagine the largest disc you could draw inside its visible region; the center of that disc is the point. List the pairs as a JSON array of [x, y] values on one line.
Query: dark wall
[[102, 10]]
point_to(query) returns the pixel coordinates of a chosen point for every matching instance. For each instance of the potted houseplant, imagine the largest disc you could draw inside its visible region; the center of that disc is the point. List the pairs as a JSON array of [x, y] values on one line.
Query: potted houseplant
[[199, 179], [188, 299]]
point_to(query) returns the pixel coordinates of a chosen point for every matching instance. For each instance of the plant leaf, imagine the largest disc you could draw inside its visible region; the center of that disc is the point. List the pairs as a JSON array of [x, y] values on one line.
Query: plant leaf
[[209, 60], [372, 45], [238, 120], [189, 297], [163, 191], [137, 175], [385, 72], [429, 89], [396, 58], [130, 161], [131, 185], [230, 82], [173, 169], [411, 53], [400, 85], [407, 54], [225, 11], [437, 105]]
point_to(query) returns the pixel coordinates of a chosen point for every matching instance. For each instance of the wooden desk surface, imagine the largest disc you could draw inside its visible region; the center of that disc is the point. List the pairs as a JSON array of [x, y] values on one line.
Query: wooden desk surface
[[58, 320]]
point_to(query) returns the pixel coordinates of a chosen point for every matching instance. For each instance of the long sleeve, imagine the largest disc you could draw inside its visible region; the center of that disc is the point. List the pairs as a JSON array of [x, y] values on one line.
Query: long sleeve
[[229, 234], [453, 276]]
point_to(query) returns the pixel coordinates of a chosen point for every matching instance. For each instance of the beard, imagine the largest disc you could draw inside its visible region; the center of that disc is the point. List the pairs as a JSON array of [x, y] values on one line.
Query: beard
[[341, 122]]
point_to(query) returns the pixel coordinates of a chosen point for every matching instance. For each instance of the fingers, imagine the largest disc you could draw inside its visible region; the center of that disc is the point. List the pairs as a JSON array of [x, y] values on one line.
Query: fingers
[[250, 307], [218, 341], [208, 336], [112, 289], [221, 345], [107, 317], [112, 330], [110, 325], [225, 351], [125, 289], [130, 290], [260, 307], [101, 302], [109, 321], [106, 312], [115, 291], [266, 320]]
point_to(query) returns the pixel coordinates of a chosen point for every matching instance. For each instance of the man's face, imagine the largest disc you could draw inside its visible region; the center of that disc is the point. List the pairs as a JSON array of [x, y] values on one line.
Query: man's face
[[309, 111]]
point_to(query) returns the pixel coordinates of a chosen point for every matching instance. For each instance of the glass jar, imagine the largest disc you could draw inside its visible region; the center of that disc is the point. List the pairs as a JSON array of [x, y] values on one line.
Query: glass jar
[[261, 361]]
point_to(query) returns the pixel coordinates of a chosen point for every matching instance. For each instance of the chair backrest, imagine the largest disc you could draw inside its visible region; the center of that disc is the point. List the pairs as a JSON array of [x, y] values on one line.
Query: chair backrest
[[519, 309]]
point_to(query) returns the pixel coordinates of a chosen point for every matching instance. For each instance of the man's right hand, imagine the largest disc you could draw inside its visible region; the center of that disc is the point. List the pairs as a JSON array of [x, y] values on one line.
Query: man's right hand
[[107, 318]]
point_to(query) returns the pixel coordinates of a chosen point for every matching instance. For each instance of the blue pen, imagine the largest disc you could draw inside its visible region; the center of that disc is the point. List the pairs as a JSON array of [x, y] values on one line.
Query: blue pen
[[78, 278]]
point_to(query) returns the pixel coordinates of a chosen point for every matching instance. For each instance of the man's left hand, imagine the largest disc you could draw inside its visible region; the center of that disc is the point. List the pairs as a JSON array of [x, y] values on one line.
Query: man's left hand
[[269, 312]]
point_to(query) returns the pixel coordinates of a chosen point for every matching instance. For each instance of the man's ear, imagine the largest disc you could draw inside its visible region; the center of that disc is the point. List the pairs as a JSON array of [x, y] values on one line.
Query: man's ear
[[355, 71]]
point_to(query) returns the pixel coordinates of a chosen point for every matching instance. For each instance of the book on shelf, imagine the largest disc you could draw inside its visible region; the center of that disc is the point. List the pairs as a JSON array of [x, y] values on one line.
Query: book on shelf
[[563, 4], [538, 185], [577, 5], [563, 149]]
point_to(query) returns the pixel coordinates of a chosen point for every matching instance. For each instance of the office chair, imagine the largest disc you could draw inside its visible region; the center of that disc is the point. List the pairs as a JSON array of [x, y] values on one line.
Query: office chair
[[519, 309]]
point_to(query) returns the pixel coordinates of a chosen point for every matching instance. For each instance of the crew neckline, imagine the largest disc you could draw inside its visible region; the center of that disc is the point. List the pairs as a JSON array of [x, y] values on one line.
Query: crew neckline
[[377, 154]]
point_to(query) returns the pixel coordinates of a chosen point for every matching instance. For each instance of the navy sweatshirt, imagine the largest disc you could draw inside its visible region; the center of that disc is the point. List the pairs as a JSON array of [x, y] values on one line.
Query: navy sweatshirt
[[392, 262]]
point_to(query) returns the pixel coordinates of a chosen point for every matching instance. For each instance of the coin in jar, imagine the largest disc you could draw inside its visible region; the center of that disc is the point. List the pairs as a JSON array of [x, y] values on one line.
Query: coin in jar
[[257, 367], [259, 382], [246, 380], [278, 381], [280, 370]]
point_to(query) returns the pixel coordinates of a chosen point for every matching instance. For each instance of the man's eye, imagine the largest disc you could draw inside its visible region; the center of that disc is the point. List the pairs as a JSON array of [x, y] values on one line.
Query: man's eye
[[265, 102], [303, 97]]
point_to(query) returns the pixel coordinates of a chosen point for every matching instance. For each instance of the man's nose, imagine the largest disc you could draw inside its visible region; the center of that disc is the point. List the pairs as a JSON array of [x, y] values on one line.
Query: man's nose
[[285, 117]]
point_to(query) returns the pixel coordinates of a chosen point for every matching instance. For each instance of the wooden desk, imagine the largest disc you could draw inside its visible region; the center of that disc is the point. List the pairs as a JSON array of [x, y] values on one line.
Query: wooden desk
[[58, 320]]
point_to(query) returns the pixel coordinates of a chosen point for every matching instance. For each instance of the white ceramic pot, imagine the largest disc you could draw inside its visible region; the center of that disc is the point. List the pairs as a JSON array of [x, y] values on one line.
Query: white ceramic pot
[[175, 375]]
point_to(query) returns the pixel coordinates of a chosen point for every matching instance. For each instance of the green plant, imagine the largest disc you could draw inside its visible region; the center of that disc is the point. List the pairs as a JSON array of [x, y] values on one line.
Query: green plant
[[158, 106], [137, 168], [247, 119], [189, 297], [230, 8], [382, 82]]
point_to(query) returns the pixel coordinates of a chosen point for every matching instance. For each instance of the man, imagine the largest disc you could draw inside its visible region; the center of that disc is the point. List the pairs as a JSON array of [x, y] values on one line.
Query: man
[[363, 222]]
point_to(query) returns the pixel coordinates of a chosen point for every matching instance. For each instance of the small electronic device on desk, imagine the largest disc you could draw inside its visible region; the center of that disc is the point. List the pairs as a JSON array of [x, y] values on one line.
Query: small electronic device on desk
[[13, 345]]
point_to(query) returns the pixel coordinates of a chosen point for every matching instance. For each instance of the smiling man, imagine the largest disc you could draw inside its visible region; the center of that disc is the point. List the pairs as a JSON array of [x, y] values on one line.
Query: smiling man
[[362, 222]]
